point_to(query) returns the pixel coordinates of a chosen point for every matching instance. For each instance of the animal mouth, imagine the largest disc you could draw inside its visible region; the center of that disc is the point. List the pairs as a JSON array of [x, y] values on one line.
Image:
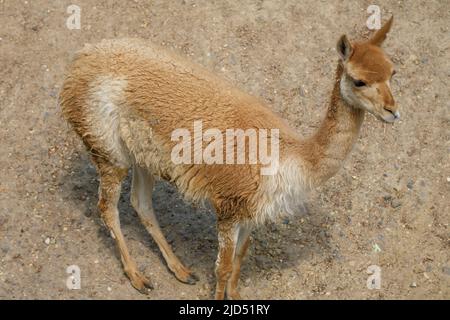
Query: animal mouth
[[389, 116], [388, 119]]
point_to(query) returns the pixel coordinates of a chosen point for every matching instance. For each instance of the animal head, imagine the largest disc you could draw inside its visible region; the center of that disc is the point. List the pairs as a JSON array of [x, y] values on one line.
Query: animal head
[[365, 81]]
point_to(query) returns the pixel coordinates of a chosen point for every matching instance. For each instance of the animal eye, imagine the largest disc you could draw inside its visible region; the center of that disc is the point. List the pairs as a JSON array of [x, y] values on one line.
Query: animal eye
[[359, 83]]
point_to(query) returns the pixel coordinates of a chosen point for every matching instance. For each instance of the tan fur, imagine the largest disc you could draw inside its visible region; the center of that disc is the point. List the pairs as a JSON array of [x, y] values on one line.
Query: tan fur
[[125, 98]]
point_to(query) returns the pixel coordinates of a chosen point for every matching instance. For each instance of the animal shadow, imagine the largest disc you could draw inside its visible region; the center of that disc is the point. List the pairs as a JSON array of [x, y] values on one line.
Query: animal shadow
[[191, 230]]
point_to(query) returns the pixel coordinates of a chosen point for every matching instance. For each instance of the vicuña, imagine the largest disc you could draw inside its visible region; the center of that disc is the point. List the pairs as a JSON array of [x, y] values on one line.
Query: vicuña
[[124, 98]]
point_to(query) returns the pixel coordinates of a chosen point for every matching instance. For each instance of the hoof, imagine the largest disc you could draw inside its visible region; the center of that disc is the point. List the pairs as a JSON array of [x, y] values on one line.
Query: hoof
[[234, 296], [192, 279], [142, 284]]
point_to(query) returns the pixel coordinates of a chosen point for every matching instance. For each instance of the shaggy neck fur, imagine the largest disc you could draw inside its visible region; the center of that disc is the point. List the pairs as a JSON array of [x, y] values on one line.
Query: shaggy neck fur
[[330, 145], [311, 162]]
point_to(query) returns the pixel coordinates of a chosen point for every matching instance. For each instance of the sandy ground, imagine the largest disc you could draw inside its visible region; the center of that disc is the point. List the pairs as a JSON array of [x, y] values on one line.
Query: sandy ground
[[389, 206]]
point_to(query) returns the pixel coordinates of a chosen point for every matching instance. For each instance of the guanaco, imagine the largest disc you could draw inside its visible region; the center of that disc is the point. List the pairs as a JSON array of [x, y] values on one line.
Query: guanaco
[[125, 97]]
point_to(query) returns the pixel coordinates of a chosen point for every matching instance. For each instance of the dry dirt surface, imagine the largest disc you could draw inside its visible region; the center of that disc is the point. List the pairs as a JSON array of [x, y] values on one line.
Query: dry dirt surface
[[388, 206]]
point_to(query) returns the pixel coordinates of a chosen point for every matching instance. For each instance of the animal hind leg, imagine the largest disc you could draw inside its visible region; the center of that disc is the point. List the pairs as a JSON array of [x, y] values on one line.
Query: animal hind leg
[[141, 199], [111, 178]]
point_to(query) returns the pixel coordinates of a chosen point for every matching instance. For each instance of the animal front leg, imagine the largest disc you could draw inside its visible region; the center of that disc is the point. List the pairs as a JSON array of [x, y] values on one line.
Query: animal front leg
[[109, 193], [242, 244], [224, 263]]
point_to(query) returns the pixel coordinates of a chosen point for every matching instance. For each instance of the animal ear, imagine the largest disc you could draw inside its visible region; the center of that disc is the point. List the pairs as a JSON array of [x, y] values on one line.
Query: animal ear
[[344, 48], [378, 38]]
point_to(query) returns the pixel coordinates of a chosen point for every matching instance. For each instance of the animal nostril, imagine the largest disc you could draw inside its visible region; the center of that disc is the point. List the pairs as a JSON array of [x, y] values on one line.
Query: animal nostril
[[389, 110]]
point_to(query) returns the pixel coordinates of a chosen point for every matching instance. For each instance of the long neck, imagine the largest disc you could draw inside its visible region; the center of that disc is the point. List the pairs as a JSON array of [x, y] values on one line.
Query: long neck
[[326, 150]]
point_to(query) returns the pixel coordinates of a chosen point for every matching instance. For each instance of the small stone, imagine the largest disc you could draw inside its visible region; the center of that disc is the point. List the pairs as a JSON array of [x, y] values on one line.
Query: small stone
[[413, 285], [301, 91], [446, 270], [395, 203], [47, 241], [448, 179], [109, 289], [5, 248], [205, 286], [410, 184], [53, 93], [413, 59], [376, 248]]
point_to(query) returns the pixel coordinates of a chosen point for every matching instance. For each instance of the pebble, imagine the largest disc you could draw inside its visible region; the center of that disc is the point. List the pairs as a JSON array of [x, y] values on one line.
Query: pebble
[[413, 285], [410, 184], [53, 93], [446, 270], [5, 248], [413, 59], [395, 203], [376, 248], [301, 92], [49, 240]]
